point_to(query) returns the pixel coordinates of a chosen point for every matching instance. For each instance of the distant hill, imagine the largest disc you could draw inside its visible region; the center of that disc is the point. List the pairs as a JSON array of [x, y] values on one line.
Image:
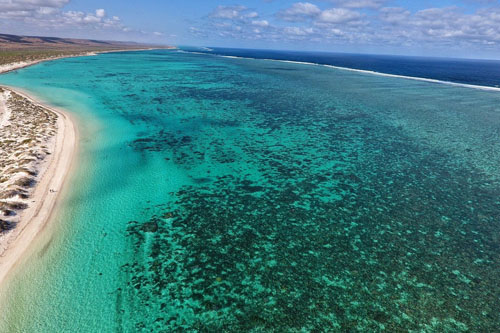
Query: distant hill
[[17, 49], [14, 42]]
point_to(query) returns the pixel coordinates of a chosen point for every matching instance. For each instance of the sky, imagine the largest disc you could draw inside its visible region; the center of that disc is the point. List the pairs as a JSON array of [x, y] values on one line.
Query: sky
[[450, 28]]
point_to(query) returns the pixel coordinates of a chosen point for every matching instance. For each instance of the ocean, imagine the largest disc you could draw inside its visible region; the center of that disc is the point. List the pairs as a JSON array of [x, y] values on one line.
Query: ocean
[[219, 194], [465, 71]]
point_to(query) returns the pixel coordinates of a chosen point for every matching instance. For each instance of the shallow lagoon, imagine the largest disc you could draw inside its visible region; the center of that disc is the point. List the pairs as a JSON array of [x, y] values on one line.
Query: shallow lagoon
[[219, 194]]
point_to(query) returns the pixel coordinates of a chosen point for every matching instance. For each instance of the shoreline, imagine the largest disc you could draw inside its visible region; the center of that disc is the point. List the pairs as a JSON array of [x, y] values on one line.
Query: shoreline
[[20, 65], [46, 193]]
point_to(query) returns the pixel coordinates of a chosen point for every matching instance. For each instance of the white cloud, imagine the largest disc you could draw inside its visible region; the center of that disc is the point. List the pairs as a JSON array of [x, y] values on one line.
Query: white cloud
[[338, 15], [100, 12], [27, 8], [305, 11], [351, 23], [7, 6], [228, 12], [300, 11], [260, 23], [298, 31], [449, 25], [33, 15], [394, 14], [251, 15], [360, 3], [233, 22]]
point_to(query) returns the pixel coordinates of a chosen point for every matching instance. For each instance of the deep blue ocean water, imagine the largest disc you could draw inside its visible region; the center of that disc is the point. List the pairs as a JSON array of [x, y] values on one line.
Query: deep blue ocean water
[[467, 71], [229, 195]]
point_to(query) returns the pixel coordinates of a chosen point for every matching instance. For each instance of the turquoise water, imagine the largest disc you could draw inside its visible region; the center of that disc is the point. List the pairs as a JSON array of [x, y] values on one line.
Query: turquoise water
[[217, 194]]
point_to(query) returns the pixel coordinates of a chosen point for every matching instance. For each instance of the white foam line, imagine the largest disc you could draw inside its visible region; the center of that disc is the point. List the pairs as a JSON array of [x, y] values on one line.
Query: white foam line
[[234, 57], [194, 52], [464, 85], [456, 84]]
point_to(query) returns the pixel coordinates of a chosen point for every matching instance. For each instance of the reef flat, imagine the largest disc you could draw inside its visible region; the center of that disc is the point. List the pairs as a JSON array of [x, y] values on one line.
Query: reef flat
[[234, 195]]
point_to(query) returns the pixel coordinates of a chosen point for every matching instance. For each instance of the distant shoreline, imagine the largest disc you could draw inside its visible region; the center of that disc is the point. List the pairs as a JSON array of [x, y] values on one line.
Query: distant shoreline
[[23, 64], [46, 192]]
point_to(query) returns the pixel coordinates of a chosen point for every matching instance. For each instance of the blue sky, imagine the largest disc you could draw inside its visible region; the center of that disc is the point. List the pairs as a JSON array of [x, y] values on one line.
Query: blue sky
[[459, 28]]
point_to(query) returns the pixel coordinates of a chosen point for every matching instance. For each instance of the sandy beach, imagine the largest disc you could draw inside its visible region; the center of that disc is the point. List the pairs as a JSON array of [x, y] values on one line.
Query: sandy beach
[[51, 175], [22, 64]]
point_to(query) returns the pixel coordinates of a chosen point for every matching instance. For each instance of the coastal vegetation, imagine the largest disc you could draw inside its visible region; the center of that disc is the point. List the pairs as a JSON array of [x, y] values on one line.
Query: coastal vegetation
[[16, 49]]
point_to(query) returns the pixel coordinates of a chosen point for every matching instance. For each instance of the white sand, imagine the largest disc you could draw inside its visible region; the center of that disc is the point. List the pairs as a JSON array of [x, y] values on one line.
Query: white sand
[[16, 65], [4, 111]]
